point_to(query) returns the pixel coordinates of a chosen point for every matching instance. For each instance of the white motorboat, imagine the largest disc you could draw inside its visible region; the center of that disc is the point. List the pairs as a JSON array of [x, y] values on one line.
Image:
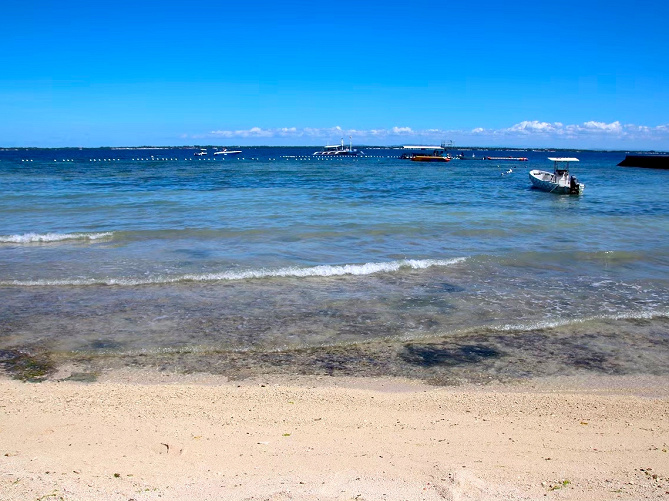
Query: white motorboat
[[200, 153], [559, 181], [341, 150], [226, 151]]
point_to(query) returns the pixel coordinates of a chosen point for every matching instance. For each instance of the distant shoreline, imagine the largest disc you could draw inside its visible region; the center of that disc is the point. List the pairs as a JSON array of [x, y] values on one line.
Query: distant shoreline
[[371, 146]]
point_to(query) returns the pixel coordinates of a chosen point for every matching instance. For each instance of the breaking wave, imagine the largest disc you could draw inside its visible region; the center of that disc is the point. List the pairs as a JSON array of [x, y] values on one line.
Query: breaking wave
[[29, 238], [289, 272]]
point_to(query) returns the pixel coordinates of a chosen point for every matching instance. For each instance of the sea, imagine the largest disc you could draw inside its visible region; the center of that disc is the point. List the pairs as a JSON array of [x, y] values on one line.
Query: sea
[[276, 261]]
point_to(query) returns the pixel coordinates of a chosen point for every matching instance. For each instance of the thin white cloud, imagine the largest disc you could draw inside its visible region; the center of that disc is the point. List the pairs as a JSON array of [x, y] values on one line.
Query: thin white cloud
[[533, 127], [245, 133], [601, 126], [526, 133], [403, 130]]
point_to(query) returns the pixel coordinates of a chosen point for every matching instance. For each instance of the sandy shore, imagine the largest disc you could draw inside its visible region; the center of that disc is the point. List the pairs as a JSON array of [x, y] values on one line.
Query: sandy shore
[[147, 436]]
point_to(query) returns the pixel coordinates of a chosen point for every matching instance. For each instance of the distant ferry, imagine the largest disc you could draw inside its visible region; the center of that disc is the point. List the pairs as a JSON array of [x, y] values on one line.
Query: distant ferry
[[339, 150], [426, 154], [226, 151], [514, 159]]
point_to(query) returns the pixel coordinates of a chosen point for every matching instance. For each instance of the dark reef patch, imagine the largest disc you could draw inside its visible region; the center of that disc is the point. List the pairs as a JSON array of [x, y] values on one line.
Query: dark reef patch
[[26, 366], [447, 354]]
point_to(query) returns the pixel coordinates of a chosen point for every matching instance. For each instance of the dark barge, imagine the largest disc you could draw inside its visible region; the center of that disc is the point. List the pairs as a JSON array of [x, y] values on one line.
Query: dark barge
[[648, 161]]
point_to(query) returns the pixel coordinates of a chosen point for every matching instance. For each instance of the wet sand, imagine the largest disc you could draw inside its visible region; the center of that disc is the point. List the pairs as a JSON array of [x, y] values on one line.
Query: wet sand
[[146, 435]]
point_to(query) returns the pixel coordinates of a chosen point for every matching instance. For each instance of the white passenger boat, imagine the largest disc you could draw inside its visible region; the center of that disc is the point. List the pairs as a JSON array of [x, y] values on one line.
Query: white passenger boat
[[226, 151], [339, 150], [559, 181], [426, 154]]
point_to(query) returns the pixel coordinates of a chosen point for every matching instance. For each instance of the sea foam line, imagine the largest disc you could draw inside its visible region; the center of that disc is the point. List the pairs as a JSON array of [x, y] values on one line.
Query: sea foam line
[[28, 238], [552, 324], [289, 272]]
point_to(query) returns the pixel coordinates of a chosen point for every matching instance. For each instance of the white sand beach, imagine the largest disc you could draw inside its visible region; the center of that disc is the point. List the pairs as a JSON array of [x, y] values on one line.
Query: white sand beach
[[148, 436]]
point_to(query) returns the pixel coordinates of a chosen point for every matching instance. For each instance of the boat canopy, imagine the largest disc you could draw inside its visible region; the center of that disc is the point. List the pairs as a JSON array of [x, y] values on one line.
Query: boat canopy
[[563, 159]]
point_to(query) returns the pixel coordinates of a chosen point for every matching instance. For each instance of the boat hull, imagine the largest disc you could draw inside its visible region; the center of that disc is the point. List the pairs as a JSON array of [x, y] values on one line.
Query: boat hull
[[509, 159], [336, 154], [429, 158], [647, 161]]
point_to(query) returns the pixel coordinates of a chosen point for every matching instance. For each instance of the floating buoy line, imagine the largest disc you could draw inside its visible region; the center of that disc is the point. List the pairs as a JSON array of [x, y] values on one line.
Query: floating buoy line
[[319, 158]]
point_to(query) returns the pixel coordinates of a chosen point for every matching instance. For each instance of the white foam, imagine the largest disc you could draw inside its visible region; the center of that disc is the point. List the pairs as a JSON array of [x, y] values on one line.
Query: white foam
[[28, 238], [536, 325], [632, 315], [296, 272]]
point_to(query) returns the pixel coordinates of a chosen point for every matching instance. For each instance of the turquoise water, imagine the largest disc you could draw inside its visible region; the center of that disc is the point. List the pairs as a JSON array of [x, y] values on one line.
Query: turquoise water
[[119, 255]]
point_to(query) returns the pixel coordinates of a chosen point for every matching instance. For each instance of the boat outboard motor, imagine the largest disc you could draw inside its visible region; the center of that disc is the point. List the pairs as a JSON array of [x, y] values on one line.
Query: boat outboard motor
[[573, 185]]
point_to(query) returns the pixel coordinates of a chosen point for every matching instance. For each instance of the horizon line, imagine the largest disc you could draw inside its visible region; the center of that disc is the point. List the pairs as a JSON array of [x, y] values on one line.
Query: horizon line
[[211, 145]]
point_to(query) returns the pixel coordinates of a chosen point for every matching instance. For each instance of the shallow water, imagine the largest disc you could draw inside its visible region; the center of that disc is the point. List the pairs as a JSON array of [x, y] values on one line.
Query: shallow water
[[279, 261]]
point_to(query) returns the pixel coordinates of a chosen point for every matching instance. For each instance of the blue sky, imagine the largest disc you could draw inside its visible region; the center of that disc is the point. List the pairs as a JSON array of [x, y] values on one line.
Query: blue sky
[[587, 74]]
